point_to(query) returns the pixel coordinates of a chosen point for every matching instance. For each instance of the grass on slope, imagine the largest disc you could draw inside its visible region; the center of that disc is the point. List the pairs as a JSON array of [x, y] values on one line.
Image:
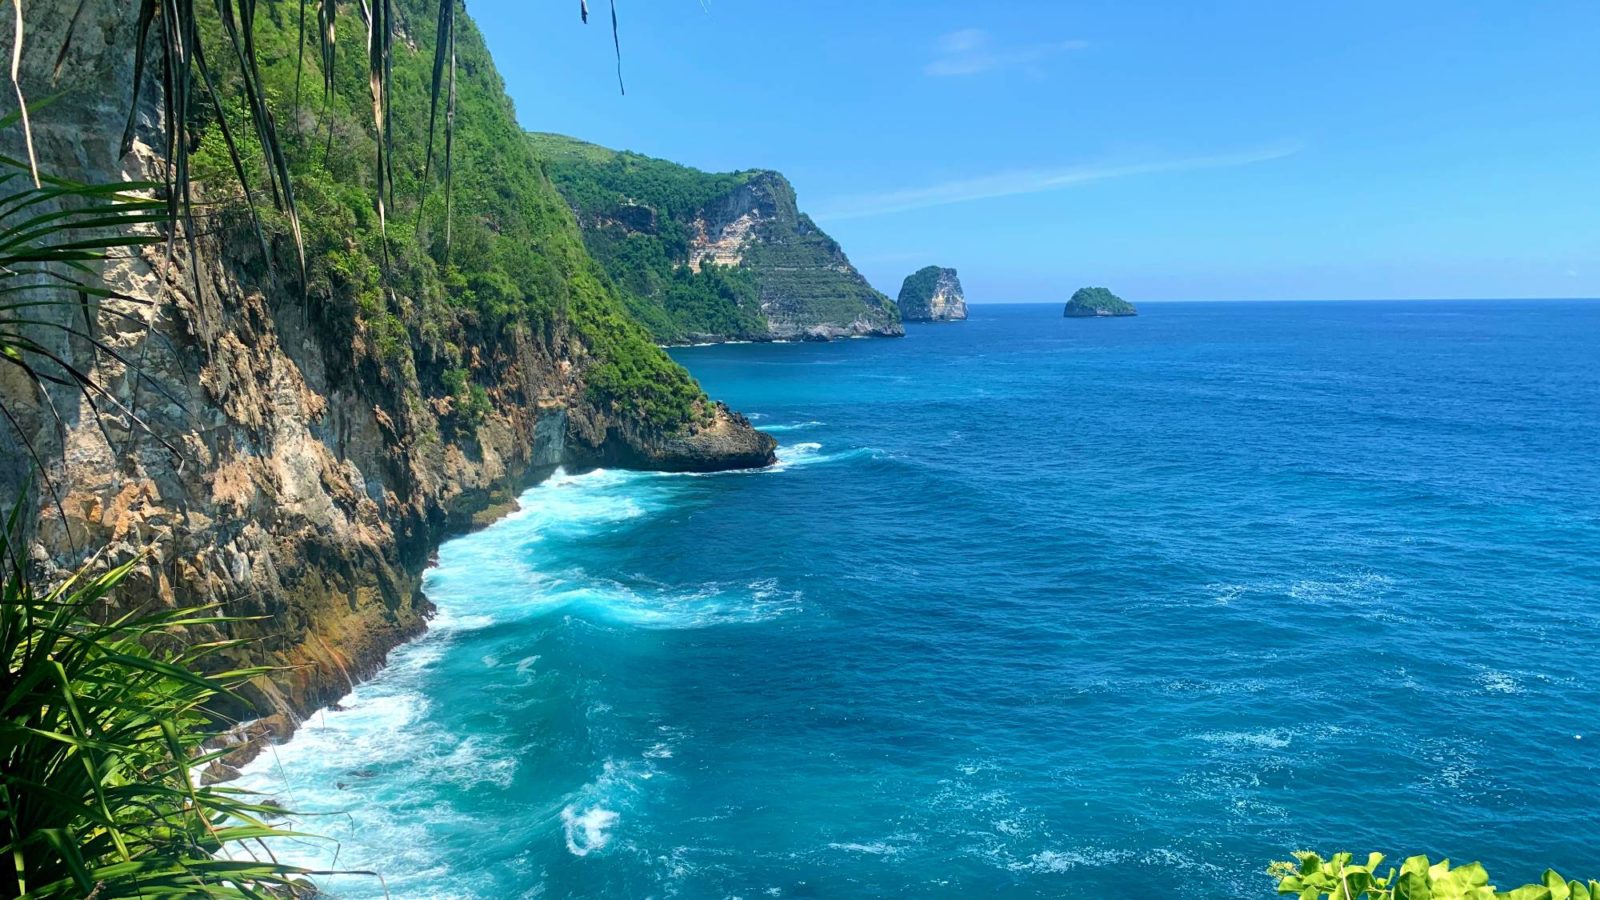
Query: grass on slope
[[515, 260], [637, 213]]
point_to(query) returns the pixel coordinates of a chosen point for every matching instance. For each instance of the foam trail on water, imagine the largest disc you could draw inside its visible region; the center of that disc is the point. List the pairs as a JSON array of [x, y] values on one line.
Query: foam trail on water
[[795, 426], [808, 453], [368, 769]]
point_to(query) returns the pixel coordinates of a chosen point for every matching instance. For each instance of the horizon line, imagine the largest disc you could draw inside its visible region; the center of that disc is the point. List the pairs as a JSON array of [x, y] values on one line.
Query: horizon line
[[1560, 299]]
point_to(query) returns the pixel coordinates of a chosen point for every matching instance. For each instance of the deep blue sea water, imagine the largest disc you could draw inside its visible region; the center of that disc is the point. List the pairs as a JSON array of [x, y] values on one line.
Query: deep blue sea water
[[1032, 607]]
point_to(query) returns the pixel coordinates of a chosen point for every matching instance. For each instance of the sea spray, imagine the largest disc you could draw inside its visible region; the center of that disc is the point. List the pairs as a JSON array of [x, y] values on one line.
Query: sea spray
[[1041, 611]]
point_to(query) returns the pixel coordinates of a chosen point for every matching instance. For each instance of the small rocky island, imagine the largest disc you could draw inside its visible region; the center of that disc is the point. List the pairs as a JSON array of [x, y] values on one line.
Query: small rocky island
[[1092, 302], [932, 294]]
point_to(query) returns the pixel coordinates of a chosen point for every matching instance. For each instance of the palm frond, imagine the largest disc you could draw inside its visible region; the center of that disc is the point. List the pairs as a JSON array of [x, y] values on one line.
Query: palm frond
[[616, 40], [101, 726], [16, 84], [616, 43], [443, 55]]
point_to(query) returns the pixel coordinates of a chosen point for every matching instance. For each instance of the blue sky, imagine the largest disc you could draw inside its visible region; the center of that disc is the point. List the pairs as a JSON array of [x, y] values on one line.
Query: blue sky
[[1222, 150]]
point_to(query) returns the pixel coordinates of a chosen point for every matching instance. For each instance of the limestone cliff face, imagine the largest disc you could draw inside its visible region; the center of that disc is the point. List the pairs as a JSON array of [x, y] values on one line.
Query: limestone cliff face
[[808, 289], [932, 294], [712, 257], [289, 476]]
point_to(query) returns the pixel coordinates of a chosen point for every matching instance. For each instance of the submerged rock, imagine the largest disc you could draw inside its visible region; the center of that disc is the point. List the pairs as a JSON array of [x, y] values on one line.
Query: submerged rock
[[932, 294], [1092, 302]]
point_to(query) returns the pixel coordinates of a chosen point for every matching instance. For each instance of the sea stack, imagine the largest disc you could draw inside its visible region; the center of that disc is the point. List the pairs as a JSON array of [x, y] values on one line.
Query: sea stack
[[932, 294], [1093, 302]]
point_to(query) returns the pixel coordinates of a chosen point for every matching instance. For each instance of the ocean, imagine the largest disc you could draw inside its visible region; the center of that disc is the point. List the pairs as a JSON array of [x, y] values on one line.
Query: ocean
[[1030, 607]]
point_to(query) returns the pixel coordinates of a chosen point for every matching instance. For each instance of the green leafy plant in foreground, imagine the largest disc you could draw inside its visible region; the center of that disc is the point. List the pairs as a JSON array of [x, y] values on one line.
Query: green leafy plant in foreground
[[1310, 877], [102, 726]]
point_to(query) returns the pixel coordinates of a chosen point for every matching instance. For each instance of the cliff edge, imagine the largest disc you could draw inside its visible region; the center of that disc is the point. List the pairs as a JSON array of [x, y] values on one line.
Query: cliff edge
[[703, 257], [312, 443]]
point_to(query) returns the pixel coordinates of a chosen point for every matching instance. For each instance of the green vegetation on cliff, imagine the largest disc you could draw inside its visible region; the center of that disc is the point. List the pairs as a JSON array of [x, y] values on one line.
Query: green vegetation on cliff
[[515, 262], [102, 725], [700, 255], [932, 294], [1097, 301], [920, 283], [637, 213]]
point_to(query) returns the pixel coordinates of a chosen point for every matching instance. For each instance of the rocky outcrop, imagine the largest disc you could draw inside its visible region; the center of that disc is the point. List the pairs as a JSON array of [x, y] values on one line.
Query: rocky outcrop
[[286, 475], [731, 256], [932, 294], [725, 441], [807, 287], [1093, 302]]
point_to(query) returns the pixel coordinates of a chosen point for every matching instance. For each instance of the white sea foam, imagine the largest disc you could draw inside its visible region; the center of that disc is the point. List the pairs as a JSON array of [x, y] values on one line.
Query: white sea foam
[[587, 830], [370, 769], [1056, 861], [592, 813], [1227, 593], [874, 848], [1361, 586], [1264, 739], [1496, 682], [793, 426], [808, 453], [1455, 771], [380, 742], [703, 606]]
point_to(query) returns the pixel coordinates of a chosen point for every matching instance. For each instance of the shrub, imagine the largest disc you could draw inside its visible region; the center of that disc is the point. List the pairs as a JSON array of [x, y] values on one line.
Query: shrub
[[1310, 877], [102, 726]]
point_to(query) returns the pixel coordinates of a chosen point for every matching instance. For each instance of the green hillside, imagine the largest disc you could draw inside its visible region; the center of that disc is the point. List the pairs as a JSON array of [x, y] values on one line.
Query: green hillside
[[711, 256], [515, 263]]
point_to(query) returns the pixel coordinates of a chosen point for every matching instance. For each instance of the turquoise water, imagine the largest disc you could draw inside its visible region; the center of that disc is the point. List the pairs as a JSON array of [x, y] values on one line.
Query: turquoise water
[[1031, 608]]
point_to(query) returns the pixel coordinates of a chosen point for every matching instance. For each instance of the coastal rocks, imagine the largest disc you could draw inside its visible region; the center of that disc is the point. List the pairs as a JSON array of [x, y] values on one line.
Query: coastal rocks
[[1097, 302], [932, 294], [725, 440], [306, 480], [243, 743]]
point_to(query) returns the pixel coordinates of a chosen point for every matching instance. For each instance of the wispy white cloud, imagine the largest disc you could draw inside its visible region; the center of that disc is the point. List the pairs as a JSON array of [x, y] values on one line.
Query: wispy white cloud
[[971, 51], [1033, 181]]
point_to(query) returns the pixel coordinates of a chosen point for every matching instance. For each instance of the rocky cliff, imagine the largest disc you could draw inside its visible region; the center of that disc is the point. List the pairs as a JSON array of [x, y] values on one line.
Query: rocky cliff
[[708, 257], [311, 443], [932, 294]]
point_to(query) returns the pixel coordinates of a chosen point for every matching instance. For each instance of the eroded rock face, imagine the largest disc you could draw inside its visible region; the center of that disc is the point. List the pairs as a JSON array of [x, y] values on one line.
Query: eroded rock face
[[793, 281], [726, 441], [932, 294], [283, 477], [808, 288]]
